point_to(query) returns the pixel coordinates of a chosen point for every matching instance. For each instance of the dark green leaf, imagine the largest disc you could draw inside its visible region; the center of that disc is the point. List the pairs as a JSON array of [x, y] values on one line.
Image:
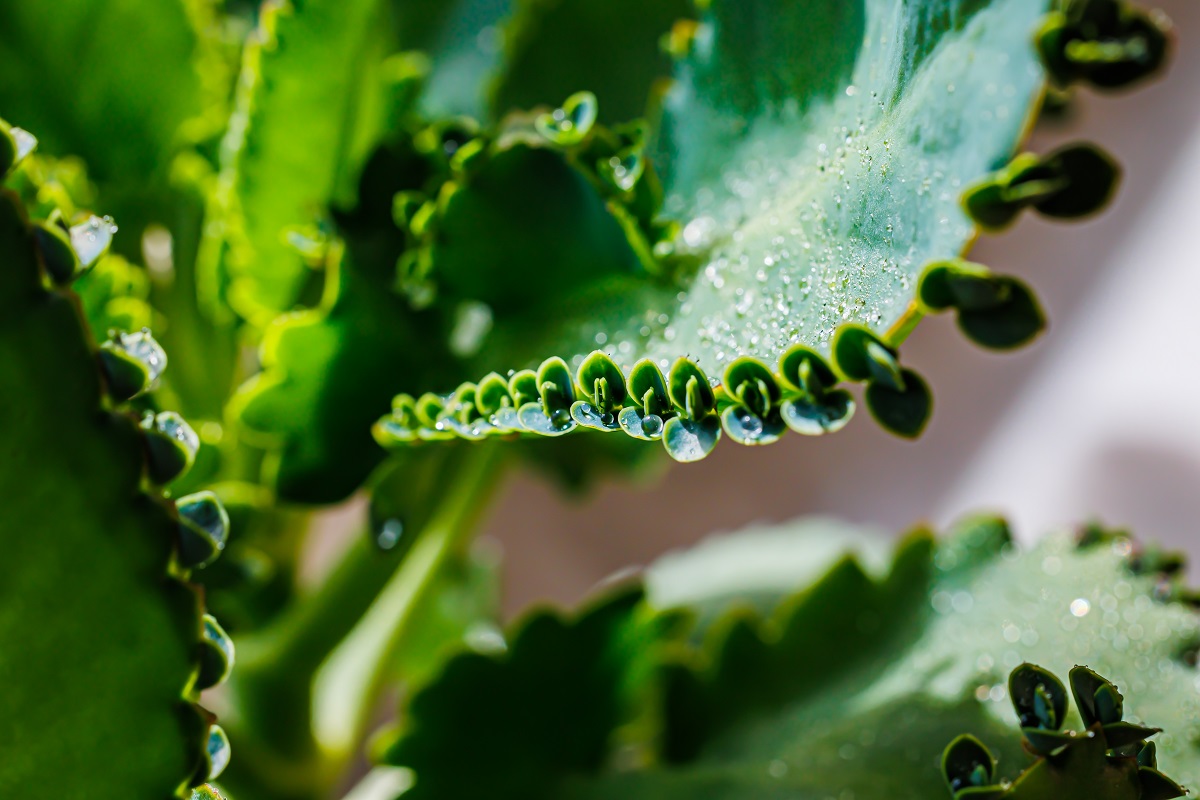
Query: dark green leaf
[[102, 642]]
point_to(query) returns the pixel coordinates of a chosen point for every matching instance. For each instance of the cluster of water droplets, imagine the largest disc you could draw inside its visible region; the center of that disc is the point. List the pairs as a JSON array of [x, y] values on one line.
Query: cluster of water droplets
[[1054, 605], [825, 214], [142, 346], [1058, 606]]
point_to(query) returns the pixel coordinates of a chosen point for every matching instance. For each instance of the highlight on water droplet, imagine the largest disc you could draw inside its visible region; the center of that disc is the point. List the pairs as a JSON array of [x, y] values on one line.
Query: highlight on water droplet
[[389, 535], [219, 751], [26, 143], [132, 363], [311, 242], [91, 238], [624, 169]]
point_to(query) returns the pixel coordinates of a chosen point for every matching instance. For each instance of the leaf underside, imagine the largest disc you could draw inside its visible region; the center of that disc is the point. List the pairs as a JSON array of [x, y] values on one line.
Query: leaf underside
[[100, 641]]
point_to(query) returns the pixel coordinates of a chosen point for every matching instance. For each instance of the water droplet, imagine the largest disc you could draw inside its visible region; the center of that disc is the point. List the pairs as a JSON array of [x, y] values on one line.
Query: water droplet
[[1080, 607], [389, 535], [142, 346], [624, 169], [698, 233], [309, 241], [206, 792], [607, 419], [561, 418], [484, 637], [472, 324], [26, 143], [174, 426], [752, 426], [219, 752], [652, 424], [91, 238], [569, 125]]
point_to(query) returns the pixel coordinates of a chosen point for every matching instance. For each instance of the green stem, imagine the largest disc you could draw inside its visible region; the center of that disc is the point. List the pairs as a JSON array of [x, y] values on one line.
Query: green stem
[[353, 679], [272, 684], [904, 326]]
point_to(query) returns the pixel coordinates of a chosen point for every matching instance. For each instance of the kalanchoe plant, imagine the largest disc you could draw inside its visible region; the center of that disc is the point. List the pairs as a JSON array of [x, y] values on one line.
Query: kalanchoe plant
[[392, 247]]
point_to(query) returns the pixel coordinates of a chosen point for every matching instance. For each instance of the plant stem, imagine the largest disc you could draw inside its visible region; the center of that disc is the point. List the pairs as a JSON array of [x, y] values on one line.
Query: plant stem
[[351, 681], [272, 684]]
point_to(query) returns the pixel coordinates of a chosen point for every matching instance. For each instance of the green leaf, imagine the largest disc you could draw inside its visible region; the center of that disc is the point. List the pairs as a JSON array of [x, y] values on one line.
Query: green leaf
[[309, 78], [461, 40], [578, 670], [814, 155], [857, 682], [103, 638], [553, 48], [812, 158], [73, 75], [1107, 43], [548, 233], [994, 311], [918, 671], [322, 381]]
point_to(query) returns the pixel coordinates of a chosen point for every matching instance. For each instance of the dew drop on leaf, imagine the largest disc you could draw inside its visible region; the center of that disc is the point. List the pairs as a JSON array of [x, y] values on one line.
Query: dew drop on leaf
[[218, 751], [652, 424], [171, 424], [91, 238], [26, 143], [389, 534], [142, 346]]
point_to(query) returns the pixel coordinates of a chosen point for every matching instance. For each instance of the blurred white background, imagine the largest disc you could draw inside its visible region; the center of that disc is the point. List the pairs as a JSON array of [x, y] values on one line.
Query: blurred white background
[[1100, 418]]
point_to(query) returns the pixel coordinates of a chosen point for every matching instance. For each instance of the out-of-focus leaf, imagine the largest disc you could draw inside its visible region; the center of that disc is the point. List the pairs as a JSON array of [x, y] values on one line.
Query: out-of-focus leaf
[[101, 640], [554, 48]]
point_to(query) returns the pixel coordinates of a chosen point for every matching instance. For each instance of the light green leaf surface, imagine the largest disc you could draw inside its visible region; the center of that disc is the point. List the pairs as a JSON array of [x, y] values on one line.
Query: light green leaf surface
[[858, 680], [812, 158], [838, 693], [101, 642], [815, 153], [309, 77]]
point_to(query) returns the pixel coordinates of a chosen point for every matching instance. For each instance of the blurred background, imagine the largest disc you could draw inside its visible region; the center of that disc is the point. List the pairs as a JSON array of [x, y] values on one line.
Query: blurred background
[[1100, 418]]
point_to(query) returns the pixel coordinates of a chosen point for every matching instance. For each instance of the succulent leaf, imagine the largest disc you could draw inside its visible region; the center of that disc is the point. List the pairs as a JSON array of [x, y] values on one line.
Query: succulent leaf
[[857, 682], [302, 99], [552, 48], [578, 666], [98, 691], [796, 148], [72, 77], [1109, 44]]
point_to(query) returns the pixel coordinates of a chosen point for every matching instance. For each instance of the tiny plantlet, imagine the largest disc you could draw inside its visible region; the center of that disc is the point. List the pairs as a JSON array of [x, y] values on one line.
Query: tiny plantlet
[[258, 259]]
